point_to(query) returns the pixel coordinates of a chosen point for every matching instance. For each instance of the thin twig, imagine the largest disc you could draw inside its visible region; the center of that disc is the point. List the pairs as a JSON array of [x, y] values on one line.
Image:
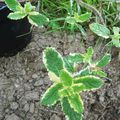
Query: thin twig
[[52, 111]]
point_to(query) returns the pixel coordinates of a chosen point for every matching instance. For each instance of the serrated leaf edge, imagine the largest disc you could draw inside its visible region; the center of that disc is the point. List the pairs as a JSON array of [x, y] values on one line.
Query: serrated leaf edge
[[45, 60], [43, 96]]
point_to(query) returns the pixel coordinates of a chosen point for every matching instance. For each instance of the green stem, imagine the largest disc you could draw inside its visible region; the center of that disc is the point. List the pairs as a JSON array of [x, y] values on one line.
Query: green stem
[[93, 9], [118, 8]]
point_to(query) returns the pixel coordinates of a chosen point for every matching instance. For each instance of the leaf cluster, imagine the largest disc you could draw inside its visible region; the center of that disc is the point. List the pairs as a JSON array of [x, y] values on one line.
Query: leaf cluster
[[20, 12], [103, 31], [67, 86]]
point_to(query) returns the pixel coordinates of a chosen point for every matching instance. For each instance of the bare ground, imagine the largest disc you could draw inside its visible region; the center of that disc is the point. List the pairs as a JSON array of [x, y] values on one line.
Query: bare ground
[[23, 79]]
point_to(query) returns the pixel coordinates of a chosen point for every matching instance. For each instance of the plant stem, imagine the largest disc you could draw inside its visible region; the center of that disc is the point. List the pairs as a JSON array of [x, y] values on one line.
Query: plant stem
[[118, 8], [93, 9]]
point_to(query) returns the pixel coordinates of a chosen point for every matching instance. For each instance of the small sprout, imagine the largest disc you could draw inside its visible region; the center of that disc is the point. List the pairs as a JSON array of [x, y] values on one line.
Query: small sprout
[[76, 20], [116, 37], [83, 17], [90, 67], [103, 31]]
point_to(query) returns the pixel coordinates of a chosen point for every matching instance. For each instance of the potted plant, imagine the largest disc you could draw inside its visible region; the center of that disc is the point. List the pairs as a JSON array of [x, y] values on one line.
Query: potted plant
[[15, 27]]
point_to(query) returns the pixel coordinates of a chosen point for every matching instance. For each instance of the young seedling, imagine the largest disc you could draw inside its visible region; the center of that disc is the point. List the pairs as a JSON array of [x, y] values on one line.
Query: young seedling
[[103, 31], [73, 20], [20, 12], [66, 88], [89, 66], [77, 20]]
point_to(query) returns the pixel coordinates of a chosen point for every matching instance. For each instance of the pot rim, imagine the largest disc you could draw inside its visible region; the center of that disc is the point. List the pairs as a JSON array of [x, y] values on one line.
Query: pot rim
[[3, 7], [21, 1]]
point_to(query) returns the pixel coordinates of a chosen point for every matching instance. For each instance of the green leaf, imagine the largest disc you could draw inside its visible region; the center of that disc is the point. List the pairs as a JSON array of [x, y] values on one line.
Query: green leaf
[[69, 112], [76, 103], [66, 78], [33, 13], [54, 24], [28, 7], [116, 42], [53, 61], [53, 77], [75, 58], [69, 66], [51, 96], [104, 61], [90, 82], [72, 59], [84, 72], [16, 15], [88, 56], [82, 30], [13, 4], [63, 93], [116, 30], [83, 18], [99, 73], [90, 51], [66, 91], [116, 37], [78, 87], [38, 20], [100, 30], [70, 20]]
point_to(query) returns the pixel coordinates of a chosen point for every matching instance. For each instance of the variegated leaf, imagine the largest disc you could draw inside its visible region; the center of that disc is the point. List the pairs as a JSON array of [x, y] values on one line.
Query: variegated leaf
[[69, 111], [90, 82], [51, 96], [76, 103], [53, 61]]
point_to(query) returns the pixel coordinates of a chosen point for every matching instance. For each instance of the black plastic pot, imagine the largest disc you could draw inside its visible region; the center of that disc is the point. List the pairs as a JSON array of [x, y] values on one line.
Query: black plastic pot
[[14, 35]]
